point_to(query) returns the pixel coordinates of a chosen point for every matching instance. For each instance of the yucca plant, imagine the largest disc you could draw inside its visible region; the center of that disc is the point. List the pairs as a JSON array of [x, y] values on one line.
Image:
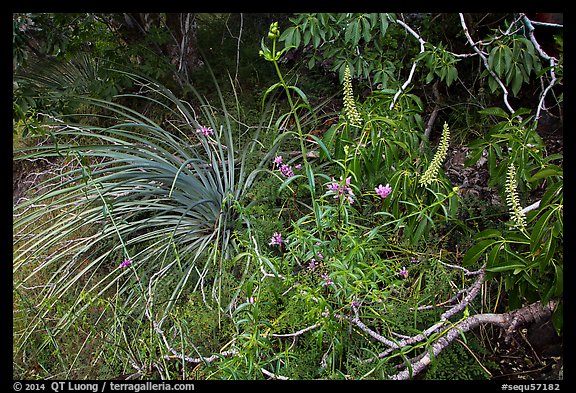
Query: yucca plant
[[136, 206]]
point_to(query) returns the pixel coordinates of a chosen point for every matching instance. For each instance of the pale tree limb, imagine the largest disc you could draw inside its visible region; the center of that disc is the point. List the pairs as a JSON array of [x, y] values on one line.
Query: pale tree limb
[[536, 205], [298, 333], [485, 62], [411, 75], [433, 115], [472, 292], [546, 24], [552, 60], [533, 206], [238, 48], [506, 33], [446, 330], [272, 375], [422, 43]]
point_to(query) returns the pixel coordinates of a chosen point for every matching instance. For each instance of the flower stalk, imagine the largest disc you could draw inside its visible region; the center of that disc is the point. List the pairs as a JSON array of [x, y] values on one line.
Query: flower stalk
[[431, 173], [513, 200], [349, 104]]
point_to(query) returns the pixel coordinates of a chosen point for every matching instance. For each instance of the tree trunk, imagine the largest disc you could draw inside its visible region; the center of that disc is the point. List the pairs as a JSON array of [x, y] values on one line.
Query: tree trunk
[[183, 51]]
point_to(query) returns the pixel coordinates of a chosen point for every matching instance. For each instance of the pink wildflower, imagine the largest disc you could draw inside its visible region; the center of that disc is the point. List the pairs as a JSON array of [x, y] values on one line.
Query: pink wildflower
[[276, 239], [340, 190], [383, 191], [403, 273], [286, 170], [206, 131], [312, 264], [327, 280], [125, 263]]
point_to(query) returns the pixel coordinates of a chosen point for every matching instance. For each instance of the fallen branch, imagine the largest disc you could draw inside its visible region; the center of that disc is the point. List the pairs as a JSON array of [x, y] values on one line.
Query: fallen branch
[[508, 321], [472, 292], [444, 331]]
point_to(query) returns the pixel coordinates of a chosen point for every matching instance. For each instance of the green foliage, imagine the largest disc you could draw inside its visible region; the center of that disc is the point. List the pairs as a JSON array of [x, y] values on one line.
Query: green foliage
[[243, 259], [163, 198], [52, 87], [515, 140], [529, 257], [76, 54], [386, 150], [440, 63], [357, 41], [513, 59], [457, 363]]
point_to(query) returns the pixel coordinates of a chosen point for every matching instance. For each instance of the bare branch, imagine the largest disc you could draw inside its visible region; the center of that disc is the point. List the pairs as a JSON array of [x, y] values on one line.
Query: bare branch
[[533, 206], [472, 292], [375, 335], [411, 75], [553, 63], [433, 115], [449, 301], [409, 80], [298, 333], [485, 62], [508, 321], [272, 375], [238, 48], [546, 24], [466, 271]]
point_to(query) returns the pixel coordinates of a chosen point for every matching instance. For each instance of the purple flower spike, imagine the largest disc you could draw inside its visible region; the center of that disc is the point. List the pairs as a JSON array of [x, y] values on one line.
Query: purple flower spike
[[276, 239]]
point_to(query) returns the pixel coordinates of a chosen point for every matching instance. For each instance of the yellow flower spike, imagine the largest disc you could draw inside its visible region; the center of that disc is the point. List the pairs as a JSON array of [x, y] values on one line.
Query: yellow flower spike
[[432, 172], [513, 200], [349, 104]]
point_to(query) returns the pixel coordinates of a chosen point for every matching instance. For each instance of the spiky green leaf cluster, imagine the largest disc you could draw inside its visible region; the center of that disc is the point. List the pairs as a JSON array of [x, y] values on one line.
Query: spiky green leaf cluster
[[166, 195]]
